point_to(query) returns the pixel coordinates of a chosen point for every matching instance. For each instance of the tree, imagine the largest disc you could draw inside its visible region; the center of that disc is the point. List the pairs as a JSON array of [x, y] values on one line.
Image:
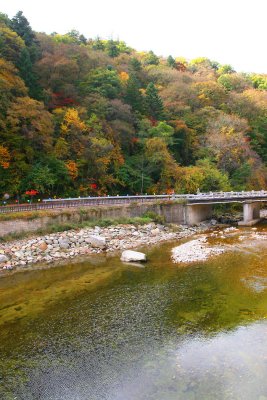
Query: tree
[[162, 130], [21, 25], [25, 67], [5, 157], [133, 95], [30, 128], [154, 104], [227, 140], [171, 62], [39, 178], [234, 81], [151, 59], [135, 65], [112, 48], [103, 81], [11, 44], [11, 85]]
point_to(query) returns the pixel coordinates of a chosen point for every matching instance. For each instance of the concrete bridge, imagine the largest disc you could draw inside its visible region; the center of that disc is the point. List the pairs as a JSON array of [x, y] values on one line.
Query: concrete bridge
[[199, 207], [188, 209]]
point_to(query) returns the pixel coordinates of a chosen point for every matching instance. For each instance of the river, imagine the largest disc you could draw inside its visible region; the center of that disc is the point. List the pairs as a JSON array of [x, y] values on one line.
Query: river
[[103, 330]]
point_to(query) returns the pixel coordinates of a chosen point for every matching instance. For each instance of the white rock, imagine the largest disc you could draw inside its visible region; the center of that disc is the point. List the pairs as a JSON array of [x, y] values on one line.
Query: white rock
[[64, 244], [129, 255], [3, 258], [96, 241]]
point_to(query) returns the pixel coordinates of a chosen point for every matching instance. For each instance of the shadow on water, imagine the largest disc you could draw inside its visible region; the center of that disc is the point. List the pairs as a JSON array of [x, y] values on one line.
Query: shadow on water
[[101, 329]]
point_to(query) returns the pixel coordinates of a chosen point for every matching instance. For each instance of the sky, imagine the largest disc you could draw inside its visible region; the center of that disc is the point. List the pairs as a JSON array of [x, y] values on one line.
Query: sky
[[228, 31]]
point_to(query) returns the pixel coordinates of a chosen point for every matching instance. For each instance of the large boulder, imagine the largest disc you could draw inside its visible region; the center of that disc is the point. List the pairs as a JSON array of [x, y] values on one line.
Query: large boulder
[[3, 258], [96, 241], [129, 256]]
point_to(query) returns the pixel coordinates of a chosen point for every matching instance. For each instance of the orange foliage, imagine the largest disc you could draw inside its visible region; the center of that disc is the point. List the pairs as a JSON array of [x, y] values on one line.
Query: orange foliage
[[124, 77], [72, 169], [4, 157]]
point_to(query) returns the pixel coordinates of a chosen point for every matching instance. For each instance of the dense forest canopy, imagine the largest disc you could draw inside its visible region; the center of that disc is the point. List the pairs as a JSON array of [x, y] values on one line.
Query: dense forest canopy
[[83, 117]]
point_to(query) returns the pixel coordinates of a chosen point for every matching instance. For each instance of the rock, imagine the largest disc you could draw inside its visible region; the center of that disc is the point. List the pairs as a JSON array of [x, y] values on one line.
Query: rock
[[42, 246], [19, 254], [64, 243], [155, 231], [129, 256], [96, 241], [213, 221], [3, 258]]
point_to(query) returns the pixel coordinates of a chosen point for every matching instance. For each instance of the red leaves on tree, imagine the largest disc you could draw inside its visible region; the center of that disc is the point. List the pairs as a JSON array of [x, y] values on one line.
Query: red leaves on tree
[[31, 192]]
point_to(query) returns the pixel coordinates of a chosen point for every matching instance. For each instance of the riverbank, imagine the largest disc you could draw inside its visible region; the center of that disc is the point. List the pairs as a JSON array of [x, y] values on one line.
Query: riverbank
[[74, 243]]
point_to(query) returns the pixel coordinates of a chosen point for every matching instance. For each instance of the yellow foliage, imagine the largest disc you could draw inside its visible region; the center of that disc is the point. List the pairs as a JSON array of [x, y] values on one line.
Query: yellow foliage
[[124, 76], [72, 121]]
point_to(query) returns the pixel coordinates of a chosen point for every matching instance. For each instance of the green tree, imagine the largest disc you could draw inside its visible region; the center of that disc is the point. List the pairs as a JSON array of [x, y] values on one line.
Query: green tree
[[21, 25], [151, 59], [135, 65], [154, 104], [25, 67], [103, 81], [133, 95], [39, 178], [112, 48], [171, 62]]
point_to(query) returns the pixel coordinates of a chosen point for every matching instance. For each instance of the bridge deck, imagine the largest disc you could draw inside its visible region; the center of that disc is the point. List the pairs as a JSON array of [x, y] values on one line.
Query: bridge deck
[[191, 199]]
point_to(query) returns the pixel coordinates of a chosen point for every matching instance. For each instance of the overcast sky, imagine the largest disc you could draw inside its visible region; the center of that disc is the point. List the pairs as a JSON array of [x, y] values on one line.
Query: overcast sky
[[229, 31]]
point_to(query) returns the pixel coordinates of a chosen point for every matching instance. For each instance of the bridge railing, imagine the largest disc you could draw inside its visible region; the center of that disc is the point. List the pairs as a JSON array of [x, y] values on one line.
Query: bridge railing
[[47, 204]]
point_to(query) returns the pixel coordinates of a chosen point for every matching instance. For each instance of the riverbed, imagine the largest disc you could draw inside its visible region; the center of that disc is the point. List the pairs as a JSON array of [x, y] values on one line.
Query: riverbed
[[100, 329]]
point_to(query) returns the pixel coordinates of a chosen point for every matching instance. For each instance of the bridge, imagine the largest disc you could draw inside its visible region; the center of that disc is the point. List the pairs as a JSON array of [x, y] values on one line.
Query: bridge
[[197, 207]]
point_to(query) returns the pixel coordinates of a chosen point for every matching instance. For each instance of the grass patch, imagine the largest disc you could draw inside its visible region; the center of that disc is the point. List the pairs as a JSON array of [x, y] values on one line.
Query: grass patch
[[26, 215], [154, 217]]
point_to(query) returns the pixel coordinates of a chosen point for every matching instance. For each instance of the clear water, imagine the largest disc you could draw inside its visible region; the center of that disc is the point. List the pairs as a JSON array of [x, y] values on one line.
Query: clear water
[[103, 330]]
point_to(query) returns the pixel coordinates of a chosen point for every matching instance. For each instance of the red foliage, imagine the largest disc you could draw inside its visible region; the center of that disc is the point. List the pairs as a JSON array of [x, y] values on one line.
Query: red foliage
[[60, 100], [31, 192]]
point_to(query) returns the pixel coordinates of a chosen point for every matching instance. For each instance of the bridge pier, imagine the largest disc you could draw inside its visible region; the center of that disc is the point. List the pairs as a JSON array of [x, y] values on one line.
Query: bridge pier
[[196, 213], [251, 214]]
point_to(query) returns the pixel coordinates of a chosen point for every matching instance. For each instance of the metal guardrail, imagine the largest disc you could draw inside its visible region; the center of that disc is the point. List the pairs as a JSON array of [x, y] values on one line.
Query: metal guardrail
[[109, 200]]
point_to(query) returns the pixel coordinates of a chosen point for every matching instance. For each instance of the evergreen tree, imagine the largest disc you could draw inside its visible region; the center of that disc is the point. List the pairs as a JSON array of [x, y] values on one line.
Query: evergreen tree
[[151, 59], [135, 65], [133, 95], [25, 68], [112, 48], [21, 25], [171, 62], [154, 104]]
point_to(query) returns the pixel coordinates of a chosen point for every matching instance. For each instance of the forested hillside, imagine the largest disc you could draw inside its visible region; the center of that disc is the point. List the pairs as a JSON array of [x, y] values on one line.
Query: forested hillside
[[85, 116]]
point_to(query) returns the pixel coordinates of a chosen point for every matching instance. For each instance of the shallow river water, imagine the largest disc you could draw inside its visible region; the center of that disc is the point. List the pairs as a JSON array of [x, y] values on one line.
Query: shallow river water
[[104, 330]]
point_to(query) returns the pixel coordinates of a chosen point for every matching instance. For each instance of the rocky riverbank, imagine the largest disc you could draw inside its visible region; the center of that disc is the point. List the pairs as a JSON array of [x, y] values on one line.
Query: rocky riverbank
[[195, 250], [73, 243]]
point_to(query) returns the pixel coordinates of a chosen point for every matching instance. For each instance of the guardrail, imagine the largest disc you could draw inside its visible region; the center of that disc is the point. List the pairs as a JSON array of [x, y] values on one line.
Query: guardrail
[[109, 200], [48, 204]]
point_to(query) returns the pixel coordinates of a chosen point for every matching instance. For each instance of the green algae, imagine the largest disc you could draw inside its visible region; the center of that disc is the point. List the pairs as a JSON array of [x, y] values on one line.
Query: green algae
[[103, 329]]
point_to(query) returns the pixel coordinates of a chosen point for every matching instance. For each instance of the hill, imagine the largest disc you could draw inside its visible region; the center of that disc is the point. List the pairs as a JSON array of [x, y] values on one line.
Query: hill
[[85, 117]]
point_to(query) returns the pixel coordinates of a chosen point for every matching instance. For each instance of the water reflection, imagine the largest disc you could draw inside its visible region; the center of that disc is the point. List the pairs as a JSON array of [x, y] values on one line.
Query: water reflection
[[105, 330]]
